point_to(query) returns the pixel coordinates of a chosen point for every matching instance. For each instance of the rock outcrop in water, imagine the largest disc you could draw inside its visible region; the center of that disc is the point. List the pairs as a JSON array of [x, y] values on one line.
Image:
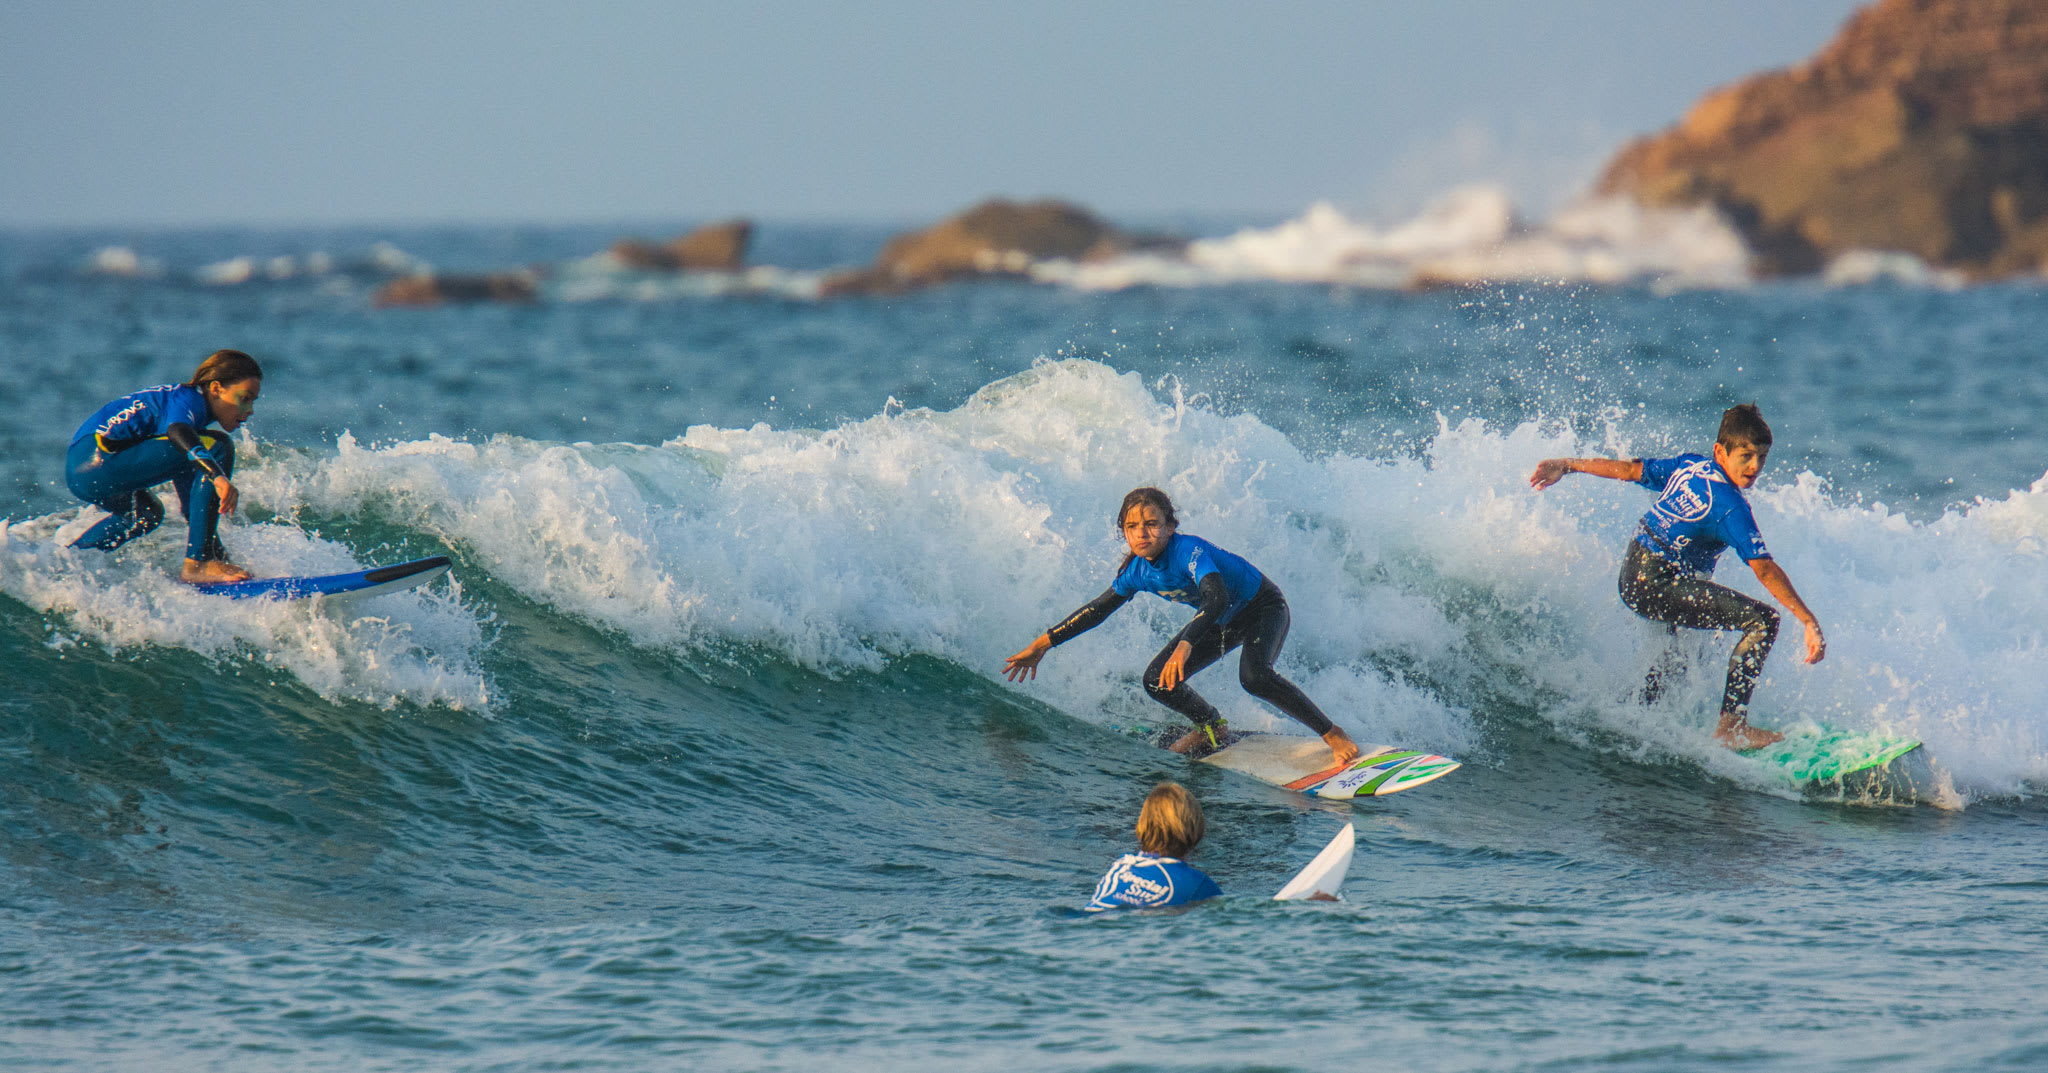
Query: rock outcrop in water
[[718, 248], [428, 289], [1923, 127], [994, 239]]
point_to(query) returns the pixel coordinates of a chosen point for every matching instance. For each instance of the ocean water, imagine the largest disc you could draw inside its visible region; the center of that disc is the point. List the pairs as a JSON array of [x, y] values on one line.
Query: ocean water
[[703, 759]]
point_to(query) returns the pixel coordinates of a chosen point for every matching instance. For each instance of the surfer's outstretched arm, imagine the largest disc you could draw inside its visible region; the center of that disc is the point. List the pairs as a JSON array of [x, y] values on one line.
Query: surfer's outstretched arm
[[1025, 663], [1552, 470]]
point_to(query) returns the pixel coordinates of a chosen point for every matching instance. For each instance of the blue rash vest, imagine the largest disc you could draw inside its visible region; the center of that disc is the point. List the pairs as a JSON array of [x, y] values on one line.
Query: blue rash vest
[[1700, 514], [1149, 881], [1178, 574], [145, 415]]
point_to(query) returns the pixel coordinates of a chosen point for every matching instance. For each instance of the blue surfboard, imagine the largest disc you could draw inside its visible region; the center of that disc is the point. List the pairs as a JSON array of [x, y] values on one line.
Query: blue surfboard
[[377, 579]]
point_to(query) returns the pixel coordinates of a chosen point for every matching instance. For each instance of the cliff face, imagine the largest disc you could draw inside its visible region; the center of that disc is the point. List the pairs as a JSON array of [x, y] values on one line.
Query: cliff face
[[1922, 127]]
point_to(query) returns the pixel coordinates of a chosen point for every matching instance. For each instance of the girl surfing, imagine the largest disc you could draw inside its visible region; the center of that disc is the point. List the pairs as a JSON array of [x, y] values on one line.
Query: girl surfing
[[159, 434], [1235, 607]]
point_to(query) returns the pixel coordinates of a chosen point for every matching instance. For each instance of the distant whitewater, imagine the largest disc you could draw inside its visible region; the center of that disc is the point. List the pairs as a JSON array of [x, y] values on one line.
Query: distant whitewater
[[1468, 235]]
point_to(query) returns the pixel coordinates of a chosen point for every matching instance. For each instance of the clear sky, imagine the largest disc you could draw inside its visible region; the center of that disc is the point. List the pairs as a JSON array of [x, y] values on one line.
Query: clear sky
[[123, 112]]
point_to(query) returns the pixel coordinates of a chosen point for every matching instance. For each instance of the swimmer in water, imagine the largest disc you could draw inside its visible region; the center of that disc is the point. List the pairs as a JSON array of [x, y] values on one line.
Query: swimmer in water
[[1700, 512], [1170, 825], [160, 434], [1236, 606]]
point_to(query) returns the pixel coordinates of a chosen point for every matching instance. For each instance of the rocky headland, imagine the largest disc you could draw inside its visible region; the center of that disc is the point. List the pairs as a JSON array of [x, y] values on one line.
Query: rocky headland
[[1922, 128]]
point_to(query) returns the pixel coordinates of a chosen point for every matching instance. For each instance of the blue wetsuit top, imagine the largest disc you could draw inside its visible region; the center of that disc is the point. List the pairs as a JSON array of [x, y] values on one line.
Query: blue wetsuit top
[[1700, 514], [1178, 574], [145, 415], [150, 413], [1150, 881]]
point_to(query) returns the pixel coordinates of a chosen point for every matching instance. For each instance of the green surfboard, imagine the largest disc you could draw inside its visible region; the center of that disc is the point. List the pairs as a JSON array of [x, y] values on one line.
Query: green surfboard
[[1817, 753]]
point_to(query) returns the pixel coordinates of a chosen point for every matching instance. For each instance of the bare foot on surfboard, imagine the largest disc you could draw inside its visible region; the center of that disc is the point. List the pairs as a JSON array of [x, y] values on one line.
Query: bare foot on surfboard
[[1196, 743], [1737, 734], [1342, 749], [212, 570]]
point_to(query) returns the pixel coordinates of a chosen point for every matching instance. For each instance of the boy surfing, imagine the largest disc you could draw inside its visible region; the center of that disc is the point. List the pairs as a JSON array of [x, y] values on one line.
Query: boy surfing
[[1699, 513], [1235, 606]]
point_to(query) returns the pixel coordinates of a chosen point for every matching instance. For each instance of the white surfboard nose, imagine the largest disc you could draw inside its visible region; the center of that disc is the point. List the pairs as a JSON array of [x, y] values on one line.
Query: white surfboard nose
[[1324, 875]]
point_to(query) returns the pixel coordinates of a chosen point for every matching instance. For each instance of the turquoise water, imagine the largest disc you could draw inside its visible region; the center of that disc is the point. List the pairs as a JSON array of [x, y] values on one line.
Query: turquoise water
[[704, 762]]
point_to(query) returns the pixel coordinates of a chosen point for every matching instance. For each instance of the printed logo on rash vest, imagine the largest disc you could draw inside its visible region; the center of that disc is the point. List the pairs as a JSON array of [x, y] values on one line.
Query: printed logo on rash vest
[[133, 409], [1681, 502]]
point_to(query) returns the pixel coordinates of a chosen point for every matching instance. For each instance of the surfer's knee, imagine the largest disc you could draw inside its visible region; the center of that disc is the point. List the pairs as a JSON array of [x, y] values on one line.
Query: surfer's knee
[[1153, 689], [1260, 681], [1763, 626]]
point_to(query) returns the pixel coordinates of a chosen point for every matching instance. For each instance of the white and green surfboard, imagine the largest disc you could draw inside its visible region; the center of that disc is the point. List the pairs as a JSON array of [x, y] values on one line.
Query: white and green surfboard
[[1303, 765]]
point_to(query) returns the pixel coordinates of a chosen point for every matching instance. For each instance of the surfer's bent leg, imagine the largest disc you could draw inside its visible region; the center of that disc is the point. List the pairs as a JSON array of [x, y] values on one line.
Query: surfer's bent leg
[[119, 484], [199, 501], [1263, 627], [1204, 650], [1655, 589]]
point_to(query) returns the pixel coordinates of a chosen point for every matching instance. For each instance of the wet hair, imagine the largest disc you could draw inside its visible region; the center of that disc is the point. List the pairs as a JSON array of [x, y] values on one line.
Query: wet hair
[[1138, 497], [1171, 822], [225, 367], [1743, 426]]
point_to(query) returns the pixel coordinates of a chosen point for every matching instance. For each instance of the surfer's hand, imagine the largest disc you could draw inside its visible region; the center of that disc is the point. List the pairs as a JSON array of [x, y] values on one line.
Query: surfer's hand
[[225, 489], [1549, 472], [1816, 644], [1176, 670], [1025, 664]]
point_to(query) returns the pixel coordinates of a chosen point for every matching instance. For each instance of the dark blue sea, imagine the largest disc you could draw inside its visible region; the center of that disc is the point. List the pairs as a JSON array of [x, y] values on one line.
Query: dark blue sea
[[703, 759]]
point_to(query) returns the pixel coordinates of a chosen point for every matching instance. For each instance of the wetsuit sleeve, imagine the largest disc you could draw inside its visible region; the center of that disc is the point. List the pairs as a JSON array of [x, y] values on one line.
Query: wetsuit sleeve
[[1739, 531], [186, 438], [1088, 617], [1215, 599], [1656, 471]]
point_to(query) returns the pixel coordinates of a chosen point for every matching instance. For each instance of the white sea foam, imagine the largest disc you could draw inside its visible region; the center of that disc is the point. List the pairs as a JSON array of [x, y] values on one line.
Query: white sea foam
[[1424, 588], [412, 647], [123, 261], [1470, 234], [603, 277], [1859, 267]]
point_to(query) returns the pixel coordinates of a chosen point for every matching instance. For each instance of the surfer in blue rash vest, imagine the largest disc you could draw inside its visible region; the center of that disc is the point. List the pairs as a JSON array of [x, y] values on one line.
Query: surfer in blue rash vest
[[160, 434], [1700, 512], [1170, 825], [1235, 606]]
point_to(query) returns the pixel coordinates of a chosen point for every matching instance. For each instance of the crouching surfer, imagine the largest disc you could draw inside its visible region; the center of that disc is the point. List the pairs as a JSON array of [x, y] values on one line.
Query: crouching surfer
[[1170, 825], [1700, 512], [1235, 606], [159, 434]]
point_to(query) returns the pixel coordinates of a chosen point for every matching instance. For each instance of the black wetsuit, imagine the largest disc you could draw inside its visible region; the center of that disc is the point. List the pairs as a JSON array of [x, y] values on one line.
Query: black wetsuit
[[1259, 627], [1655, 588]]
